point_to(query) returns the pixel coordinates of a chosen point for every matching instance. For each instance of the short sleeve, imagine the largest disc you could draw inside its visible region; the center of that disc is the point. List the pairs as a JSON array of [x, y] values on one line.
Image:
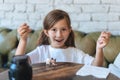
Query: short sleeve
[[34, 56], [83, 58], [87, 59], [39, 54]]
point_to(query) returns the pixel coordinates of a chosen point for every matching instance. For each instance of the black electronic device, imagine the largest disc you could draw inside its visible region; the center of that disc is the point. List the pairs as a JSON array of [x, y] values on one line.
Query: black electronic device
[[20, 69]]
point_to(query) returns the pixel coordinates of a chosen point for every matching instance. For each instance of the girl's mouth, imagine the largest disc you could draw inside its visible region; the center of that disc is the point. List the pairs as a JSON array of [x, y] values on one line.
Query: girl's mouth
[[59, 40]]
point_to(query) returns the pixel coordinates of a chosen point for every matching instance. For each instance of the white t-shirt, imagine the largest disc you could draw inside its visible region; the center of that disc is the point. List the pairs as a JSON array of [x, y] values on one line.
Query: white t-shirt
[[70, 54]]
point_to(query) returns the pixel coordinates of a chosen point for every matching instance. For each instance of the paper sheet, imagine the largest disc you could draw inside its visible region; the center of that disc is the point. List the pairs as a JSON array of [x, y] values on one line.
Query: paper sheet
[[117, 61], [98, 72]]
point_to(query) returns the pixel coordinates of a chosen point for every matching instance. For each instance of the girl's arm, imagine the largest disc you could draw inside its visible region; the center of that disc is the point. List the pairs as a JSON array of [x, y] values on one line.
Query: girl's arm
[[101, 43], [23, 31]]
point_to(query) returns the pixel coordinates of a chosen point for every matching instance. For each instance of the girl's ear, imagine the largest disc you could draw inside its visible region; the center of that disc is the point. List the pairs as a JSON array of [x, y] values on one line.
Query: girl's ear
[[46, 32], [70, 29]]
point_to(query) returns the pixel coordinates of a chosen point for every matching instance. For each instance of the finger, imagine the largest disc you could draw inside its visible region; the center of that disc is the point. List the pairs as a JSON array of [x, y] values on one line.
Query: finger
[[105, 34], [103, 40], [29, 30], [109, 34], [23, 31], [24, 26]]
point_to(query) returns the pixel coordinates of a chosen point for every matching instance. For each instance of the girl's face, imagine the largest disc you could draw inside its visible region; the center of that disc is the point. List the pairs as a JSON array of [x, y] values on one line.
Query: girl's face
[[58, 34]]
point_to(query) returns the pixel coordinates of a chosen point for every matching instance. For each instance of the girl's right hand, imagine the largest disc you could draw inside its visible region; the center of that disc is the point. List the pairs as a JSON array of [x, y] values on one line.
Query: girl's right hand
[[23, 31]]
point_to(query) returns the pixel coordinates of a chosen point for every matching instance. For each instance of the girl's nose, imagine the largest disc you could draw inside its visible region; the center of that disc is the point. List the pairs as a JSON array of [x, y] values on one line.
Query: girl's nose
[[59, 33]]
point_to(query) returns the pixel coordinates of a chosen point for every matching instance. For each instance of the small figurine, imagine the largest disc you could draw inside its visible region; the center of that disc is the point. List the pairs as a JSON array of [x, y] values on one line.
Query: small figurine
[[53, 62], [48, 61]]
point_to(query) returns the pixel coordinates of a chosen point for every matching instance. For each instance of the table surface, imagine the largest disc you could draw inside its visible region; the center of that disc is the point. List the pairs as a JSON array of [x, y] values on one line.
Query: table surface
[[62, 71]]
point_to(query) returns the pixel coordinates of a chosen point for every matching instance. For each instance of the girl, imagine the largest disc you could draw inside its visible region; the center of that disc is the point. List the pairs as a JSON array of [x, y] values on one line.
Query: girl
[[57, 41]]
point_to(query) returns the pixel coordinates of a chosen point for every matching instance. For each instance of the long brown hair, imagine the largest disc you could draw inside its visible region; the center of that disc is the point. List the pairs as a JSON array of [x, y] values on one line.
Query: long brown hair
[[49, 21]]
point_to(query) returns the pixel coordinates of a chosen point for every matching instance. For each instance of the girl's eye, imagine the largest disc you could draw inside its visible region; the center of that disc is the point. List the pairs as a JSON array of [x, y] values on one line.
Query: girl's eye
[[53, 29], [64, 29]]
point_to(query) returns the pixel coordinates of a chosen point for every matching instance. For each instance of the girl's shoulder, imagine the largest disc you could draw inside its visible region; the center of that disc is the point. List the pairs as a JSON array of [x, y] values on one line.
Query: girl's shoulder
[[43, 46], [75, 49]]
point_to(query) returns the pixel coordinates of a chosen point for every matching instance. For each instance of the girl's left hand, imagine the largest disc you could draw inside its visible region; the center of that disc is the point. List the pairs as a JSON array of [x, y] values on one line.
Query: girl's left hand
[[103, 39]]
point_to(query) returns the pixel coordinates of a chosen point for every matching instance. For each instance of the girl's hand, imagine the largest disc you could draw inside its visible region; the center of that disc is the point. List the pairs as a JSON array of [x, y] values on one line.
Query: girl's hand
[[103, 40], [23, 31]]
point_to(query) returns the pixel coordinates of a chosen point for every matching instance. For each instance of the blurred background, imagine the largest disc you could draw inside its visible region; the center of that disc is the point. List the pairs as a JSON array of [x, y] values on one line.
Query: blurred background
[[86, 15]]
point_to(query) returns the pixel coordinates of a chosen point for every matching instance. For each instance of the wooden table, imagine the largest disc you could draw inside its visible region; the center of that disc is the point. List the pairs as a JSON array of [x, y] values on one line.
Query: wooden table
[[62, 71]]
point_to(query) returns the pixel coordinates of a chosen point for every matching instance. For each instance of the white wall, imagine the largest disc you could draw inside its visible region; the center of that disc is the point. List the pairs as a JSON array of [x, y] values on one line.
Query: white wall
[[86, 15]]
